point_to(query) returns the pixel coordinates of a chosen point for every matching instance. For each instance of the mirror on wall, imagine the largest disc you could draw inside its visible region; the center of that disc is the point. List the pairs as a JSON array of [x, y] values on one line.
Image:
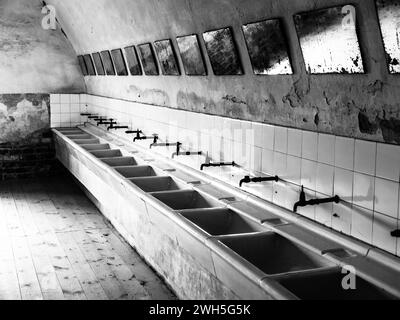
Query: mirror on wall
[[329, 41], [166, 56], [89, 65], [98, 63], [389, 19], [191, 55], [223, 53], [133, 61], [148, 60], [267, 47], [107, 63], [82, 65], [119, 62]]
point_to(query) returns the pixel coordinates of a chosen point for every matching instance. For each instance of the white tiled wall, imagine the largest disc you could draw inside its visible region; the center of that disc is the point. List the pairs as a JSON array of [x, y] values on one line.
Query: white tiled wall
[[65, 109], [364, 174]]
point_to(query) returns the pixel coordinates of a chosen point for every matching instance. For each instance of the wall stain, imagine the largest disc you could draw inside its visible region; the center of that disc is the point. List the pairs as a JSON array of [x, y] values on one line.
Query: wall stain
[[23, 117]]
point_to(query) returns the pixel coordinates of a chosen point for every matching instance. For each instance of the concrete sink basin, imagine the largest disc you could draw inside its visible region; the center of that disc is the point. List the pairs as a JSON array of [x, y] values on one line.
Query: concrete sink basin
[[274, 254], [96, 147], [328, 286], [136, 171], [87, 141], [81, 136], [106, 153], [218, 222], [156, 184], [187, 199], [120, 161]]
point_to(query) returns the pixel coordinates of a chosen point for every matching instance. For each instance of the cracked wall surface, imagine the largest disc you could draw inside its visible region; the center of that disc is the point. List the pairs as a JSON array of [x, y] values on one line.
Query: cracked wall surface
[[23, 117], [364, 106]]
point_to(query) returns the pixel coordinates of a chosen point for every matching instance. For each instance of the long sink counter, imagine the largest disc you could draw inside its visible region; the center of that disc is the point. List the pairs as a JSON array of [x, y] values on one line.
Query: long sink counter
[[211, 241]]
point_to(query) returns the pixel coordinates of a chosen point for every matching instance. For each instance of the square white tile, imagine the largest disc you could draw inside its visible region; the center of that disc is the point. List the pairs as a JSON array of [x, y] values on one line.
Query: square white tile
[[285, 195], [55, 108], [388, 162], [293, 173], [341, 218], [256, 159], [382, 228], [325, 175], [75, 108], [65, 108], [326, 149], [295, 141], [258, 129], [65, 99], [387, 197], [309, 174], [268, 137], [55, 98], [323, 212], [365, 157], [343, 184], [280, 164], [281, 139], [75, 98], [310, 145], [268, 161], [364, 191], [344, 153], [361, 224]]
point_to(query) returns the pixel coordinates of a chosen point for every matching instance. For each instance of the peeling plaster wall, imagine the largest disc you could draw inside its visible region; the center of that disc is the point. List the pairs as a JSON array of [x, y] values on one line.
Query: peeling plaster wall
[[23, 117], [361, 106], [34, 60]]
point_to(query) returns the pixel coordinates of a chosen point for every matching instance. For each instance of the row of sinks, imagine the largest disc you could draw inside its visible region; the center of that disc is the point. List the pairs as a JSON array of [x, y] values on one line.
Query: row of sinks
[[300, 271]]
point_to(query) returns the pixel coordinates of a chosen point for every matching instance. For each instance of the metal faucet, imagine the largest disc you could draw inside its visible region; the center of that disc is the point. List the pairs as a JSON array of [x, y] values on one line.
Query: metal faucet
[[247, 179], [116, 127], [220, 164], [313, 202], [154, 137], [187, 153], [165, 144]]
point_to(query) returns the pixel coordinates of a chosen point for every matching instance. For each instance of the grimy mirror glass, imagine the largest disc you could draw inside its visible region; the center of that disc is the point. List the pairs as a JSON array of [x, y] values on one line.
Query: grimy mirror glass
[[89, 64], [389, 19], [148, 59], [98, 63], [119, 62], [167, 58], [223, 53], [329, 41], [107, 63], [133, 61], [267, 47], [192, 58]]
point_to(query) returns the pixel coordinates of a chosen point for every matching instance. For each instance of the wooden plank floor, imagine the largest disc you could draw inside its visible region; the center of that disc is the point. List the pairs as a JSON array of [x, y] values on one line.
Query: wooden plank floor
[[55, 245]]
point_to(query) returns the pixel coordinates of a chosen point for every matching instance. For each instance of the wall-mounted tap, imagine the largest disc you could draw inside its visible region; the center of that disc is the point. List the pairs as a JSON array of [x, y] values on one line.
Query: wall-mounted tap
[[154, 137], [247, 179], [187, 153], [101, 121], [164, 144], [137, 132], [220, 164], [303, 202], [395, 233], [116, 127], [95, 116], [109, 122]]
